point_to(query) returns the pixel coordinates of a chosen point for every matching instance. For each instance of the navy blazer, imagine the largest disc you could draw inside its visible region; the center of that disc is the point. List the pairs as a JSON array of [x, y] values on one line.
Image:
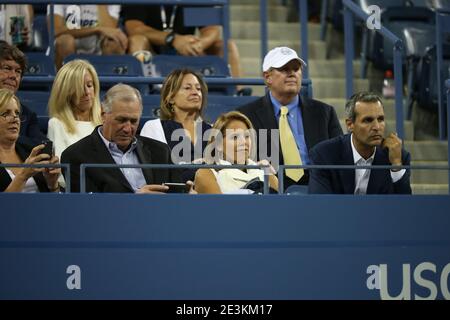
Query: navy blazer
[[338, 151], [23, 150], [320, 123], [92, 149]]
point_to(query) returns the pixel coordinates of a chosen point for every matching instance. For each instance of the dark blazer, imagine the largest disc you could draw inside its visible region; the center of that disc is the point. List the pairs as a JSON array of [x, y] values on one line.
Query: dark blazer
[[92, 149], [338, 151], [29, 128], [169, 126], [320, 123], [23, 150]]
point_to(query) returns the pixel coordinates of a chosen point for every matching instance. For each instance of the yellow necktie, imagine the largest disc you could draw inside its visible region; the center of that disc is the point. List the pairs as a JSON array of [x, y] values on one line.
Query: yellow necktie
[[289, 147]]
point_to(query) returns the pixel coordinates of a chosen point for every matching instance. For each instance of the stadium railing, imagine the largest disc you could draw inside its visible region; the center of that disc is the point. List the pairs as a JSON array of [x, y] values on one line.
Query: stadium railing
[[350, 11]]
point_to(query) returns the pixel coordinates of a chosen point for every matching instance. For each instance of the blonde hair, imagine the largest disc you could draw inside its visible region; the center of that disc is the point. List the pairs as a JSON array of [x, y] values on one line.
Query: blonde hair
[[68, 87], [5, 97], [219, 128], [172, 85]]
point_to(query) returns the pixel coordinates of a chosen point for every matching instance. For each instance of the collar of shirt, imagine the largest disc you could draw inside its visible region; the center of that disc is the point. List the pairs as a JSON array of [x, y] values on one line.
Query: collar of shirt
[[357, 159], [112, 147], [277, 105]]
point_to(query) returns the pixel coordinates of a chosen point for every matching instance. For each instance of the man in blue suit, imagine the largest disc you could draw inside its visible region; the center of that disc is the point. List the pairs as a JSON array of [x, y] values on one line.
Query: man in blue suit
[[364, 145]]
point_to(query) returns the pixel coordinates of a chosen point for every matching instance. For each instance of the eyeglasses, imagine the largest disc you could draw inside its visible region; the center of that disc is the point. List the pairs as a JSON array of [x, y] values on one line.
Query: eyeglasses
[[8, 69], [12, 117]]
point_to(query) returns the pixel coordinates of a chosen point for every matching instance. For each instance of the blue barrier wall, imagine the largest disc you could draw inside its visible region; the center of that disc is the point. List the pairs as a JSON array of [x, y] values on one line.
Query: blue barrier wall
[[223, 247]]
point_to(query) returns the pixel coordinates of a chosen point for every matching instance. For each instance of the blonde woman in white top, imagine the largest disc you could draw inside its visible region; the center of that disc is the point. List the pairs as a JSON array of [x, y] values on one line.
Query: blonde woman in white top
[[230, 142], [74, 104]]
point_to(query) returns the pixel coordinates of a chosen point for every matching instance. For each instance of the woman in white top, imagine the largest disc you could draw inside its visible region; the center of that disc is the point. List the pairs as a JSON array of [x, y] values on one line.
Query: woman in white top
[[74, 104], [16, 152], [231, 142]]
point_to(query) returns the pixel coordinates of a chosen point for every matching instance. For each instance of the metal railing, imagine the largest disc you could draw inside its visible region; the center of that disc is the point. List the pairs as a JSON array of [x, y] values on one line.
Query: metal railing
[[158, 80], [447, 84], [64, 166], [280, 173], [84, 166], [442, 28], [351, 10], [303, 16], [282, 168]]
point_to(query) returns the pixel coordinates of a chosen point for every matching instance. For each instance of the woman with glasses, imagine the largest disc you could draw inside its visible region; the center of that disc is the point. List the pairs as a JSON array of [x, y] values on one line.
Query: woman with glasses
[[13, 151], [232, 143]]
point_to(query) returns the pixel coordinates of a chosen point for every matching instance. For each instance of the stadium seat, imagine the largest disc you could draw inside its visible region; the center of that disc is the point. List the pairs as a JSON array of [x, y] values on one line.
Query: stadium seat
[[396, 19], [221, 104], [36, 101], [40, 33], [114, 65], [426, 85], [151, 104], [111, 65], [217, 104], [38, 64], [207, 66]]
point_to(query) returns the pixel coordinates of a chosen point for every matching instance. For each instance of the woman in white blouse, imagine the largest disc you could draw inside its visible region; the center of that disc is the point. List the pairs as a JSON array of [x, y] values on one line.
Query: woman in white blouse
[[74, 104], [232, 142]]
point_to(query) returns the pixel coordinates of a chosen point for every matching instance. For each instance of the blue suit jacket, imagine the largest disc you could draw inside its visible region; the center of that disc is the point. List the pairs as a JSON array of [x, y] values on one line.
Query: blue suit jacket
[[338, 151]]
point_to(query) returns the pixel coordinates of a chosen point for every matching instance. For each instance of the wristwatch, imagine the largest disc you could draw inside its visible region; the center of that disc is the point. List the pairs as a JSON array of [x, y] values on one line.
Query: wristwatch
[[169, 39]]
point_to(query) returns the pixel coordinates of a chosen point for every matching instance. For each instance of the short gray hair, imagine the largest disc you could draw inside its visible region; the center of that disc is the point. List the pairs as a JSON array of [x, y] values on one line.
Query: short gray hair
[[120, 92], [363, 96]]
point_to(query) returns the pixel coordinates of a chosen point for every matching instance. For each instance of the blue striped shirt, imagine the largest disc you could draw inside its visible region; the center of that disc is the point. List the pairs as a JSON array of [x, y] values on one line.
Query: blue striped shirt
[[134, 176]]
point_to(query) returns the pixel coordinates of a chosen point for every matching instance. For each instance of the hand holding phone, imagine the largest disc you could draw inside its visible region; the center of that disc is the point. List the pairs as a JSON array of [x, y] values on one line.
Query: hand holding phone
[[48, 148], [177, 187]]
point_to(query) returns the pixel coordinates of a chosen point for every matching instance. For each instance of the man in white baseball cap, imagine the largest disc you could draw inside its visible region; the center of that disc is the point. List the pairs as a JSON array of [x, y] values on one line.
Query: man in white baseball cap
[[301, 121], [279, 56]]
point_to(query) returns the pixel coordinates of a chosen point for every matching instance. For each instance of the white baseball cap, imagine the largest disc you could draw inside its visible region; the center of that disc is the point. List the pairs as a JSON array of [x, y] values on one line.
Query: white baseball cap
[[278, 57]]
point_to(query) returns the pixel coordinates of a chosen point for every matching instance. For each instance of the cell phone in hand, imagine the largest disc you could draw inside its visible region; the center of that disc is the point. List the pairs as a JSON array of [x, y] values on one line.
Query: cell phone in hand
[[177, 187], [48, 148]]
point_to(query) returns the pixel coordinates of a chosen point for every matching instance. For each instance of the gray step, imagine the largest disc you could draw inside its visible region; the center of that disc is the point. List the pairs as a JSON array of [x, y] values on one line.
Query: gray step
[[276, 30], [254, 2], [249, 48], [335, 88], [325, 88], [331, 68], [390, 127], [429, 188], [251, 13], [427, 150], [317, 68], [425, 176], [339, 106]]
